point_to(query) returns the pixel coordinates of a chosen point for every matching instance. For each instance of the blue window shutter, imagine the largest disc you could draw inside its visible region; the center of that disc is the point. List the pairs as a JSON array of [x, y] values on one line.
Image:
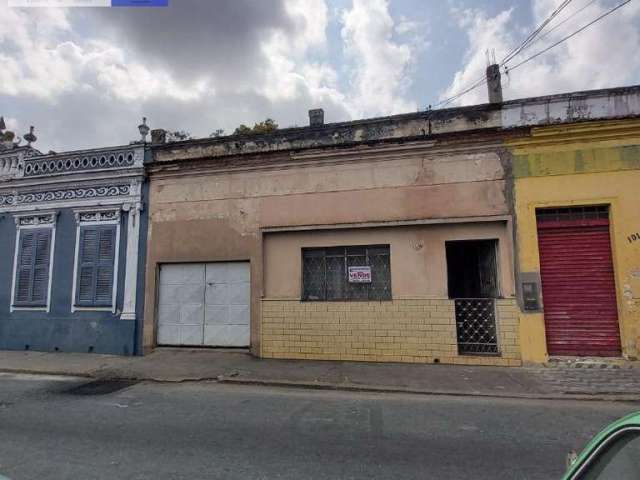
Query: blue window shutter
[[86, 265], [24, 271], [32, 272], [41, 267], [104, 272], [96, 266]]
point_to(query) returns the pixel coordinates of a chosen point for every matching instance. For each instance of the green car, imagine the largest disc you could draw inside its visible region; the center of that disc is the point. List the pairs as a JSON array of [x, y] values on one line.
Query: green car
[[612, 454]]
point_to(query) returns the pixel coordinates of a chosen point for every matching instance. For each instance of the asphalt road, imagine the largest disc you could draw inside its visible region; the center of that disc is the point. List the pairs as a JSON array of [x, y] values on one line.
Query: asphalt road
[[206, 430]]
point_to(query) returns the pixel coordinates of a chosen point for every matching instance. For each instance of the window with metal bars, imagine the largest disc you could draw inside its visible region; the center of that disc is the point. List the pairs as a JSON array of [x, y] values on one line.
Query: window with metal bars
[[96, 266], [325, 273], [593, 212]]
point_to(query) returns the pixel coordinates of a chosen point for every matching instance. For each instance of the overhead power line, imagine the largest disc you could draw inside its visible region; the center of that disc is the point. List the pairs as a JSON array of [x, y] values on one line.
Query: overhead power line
[[508, 69], [475, 85], [527, 41], [573, 14], [608, 12], [482, 80]]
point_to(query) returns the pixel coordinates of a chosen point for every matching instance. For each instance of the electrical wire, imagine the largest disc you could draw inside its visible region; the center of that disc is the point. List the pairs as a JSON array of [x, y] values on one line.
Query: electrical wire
[[446, 101], [508, 69], [546, 34], [527, 41], [608, 12]]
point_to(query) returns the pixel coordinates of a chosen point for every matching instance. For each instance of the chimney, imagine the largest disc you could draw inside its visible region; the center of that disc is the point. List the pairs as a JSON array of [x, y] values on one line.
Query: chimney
[[158, 135], [493, 83], [316, 117]]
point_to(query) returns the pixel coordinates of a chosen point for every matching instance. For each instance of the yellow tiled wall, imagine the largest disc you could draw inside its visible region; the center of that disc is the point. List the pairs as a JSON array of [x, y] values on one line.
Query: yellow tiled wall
[[416, 331]]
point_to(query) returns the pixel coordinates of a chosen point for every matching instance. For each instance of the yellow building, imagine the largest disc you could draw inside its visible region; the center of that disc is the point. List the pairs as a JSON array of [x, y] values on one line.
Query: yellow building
[[578, 248]]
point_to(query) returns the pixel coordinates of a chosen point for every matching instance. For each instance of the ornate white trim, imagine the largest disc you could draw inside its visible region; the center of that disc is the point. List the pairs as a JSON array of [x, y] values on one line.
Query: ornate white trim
[[131, 266], [87, 217], [36, 219], [9, 166], [97, 216], [15, 199], [39, 166]]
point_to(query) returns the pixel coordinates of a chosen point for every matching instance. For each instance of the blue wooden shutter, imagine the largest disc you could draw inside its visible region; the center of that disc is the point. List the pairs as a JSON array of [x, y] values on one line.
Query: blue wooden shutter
[[104, 270], [86, 265], [32, 270], [41, 267], [96, 266], [24, 272]]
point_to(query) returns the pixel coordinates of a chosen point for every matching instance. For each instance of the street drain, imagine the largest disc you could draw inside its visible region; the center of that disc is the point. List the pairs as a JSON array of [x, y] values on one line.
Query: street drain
[[100, 387]]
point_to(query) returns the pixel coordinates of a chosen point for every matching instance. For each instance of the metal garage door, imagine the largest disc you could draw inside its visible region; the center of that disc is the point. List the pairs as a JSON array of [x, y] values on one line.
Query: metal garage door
[[204, 304], [578, 286]]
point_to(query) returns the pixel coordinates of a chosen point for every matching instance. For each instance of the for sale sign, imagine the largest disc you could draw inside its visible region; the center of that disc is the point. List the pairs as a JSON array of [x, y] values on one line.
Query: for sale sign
[[359, 274]]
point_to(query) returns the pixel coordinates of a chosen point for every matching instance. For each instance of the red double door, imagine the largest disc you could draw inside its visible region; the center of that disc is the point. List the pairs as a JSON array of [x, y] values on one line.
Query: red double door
[[578, 287]]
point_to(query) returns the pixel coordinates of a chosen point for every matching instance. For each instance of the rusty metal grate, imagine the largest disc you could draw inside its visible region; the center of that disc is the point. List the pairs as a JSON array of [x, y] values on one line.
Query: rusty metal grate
[[600, 212], [325, 273], [476, 326]]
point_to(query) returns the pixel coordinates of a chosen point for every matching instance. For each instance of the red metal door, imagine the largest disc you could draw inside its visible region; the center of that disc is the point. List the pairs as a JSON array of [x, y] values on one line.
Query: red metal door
[[578, 286]]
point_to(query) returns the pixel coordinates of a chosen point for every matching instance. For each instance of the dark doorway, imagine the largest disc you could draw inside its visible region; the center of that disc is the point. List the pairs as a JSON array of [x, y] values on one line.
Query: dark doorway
[[472, 270]]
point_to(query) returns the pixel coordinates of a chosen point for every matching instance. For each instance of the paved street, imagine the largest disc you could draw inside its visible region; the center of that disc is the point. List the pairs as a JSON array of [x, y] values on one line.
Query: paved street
[[208, 430]]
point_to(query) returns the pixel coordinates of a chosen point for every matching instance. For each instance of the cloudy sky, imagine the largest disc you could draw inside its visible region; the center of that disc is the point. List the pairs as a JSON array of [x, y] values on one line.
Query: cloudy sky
[[85, 76]]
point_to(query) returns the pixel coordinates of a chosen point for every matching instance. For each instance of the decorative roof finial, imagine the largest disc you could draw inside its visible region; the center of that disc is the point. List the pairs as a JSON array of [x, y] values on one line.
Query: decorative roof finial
[[2, 125], [143, 128], [30, 137]]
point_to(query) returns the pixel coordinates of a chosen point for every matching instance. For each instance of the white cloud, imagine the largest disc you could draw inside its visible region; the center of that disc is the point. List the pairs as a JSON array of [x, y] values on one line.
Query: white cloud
[[380, 75], [42, 62], [70, 72], [47, 62], [604, 55]]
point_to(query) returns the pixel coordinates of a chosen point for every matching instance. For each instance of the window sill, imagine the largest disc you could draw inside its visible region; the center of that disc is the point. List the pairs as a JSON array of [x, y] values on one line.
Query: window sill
[[92, 309], [18, 308]]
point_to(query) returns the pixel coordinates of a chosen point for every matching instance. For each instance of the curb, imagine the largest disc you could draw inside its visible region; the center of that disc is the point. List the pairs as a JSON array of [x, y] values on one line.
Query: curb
[[347, 387], [58, 373], [351, 387]]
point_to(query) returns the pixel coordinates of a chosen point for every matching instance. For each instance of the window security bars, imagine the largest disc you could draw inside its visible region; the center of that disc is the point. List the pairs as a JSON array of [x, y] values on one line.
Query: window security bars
[[596, 212], [476, 326], [325, 273]]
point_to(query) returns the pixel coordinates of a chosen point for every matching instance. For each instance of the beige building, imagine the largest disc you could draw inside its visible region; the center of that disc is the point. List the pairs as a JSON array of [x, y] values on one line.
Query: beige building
[[357, 241], [388, 239]]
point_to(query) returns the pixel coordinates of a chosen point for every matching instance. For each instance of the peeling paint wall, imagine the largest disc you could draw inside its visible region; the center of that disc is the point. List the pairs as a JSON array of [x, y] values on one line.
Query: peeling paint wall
[[548, 110], [209, 211]]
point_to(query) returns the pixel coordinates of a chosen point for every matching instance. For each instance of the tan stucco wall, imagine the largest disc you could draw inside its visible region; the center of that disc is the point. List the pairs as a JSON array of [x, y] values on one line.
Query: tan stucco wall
[[218, 212], [418, 259]]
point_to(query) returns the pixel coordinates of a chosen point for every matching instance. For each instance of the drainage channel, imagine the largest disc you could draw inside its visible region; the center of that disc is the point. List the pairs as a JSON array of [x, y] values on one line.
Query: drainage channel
[[99, 387]]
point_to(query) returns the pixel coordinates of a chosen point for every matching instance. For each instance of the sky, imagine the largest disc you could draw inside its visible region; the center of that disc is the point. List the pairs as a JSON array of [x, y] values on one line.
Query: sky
[[85, 77]]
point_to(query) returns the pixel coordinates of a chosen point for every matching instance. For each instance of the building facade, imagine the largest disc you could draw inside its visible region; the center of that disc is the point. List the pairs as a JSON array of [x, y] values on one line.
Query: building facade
[[73, 229], [576, 190], [405, 238], [317, 243]]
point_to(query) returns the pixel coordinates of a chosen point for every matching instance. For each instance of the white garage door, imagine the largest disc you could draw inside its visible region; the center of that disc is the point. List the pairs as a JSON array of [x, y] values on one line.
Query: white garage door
[[204, 304]]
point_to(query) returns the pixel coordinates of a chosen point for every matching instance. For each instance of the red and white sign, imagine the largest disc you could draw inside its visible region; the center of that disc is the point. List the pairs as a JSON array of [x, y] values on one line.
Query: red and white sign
[[359, 274]]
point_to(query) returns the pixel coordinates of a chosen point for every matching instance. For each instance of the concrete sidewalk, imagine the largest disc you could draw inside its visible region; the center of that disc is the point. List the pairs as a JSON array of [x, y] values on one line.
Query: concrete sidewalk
[[177, 365]]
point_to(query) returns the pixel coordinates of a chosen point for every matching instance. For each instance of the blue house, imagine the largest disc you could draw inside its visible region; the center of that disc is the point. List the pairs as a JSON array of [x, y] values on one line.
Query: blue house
[[73, 236]]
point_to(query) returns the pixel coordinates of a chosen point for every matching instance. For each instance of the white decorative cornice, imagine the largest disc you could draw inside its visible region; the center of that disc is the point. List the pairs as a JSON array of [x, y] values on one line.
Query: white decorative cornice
[[36, 219], [102, 215], [111, 215], [103, 191], [91, 160]]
